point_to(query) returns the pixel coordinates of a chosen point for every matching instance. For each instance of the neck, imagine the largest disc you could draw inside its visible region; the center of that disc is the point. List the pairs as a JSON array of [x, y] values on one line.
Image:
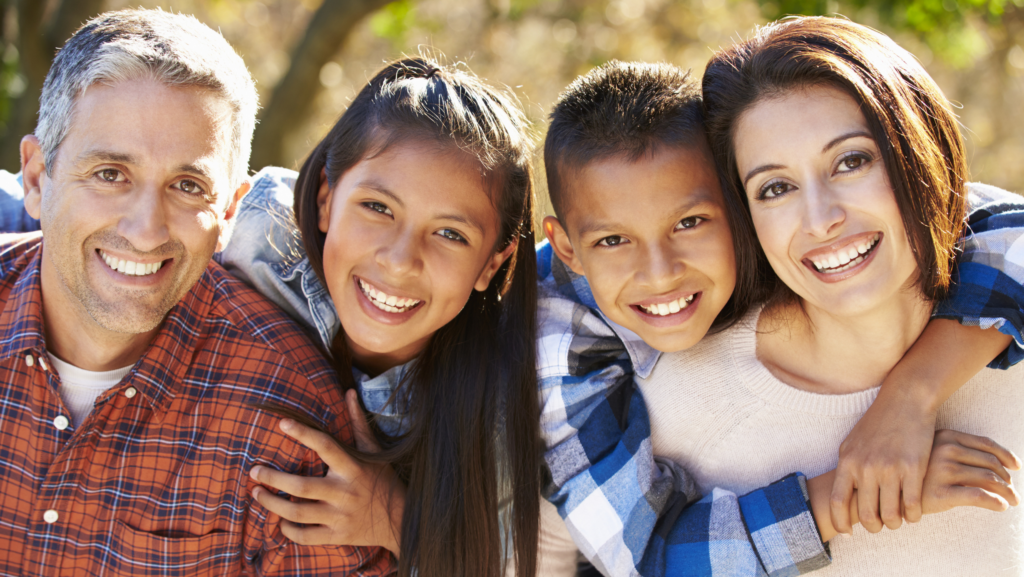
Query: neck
[[814, 350], [77, 339], [374, 363]]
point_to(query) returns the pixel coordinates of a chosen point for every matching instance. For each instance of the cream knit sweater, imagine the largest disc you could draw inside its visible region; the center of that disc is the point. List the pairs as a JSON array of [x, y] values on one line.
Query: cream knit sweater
[[718, 412]]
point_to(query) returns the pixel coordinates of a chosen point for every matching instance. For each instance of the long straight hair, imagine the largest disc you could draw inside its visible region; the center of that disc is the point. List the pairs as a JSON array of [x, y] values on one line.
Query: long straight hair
[[910, 120], [473, 441]]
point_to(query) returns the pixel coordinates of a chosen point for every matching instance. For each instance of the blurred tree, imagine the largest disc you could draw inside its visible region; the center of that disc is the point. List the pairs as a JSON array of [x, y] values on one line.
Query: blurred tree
[[29, 44], [291, 102]]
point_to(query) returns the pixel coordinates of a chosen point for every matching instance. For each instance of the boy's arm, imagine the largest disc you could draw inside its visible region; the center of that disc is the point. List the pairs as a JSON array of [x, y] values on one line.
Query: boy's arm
[[628, 512], [886, 453]]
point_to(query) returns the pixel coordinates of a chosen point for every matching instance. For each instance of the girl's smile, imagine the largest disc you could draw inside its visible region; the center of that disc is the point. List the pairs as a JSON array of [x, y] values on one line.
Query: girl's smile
[[411, 233]]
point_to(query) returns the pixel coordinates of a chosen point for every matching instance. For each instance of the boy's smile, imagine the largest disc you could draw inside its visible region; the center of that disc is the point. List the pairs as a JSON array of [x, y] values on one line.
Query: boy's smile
[[652, 238]]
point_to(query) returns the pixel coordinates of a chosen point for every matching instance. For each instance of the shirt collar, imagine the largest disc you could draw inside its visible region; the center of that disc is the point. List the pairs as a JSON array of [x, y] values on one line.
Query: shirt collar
[[575, 287], [161, 370]]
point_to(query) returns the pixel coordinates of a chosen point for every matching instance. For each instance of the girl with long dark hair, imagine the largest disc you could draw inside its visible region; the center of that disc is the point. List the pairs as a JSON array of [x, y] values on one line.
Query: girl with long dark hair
[[417, 269]]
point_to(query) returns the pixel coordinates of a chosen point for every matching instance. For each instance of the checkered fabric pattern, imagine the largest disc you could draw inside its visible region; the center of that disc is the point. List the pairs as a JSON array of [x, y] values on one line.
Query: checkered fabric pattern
[[629, 512], [987, 289], [155, 481]]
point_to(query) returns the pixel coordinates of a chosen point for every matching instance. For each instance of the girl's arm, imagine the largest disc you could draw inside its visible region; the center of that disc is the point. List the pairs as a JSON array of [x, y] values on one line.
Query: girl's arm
[[959, 474], [886, 453], [356, 504]]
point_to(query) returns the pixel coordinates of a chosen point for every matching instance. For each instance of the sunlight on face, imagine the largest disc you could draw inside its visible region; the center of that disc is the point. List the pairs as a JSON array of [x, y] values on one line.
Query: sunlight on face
[[411, 232], [821, 201]]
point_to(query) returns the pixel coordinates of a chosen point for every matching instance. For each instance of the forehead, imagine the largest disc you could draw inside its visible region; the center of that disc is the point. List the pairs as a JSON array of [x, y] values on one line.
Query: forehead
[[154, 125], [624, 191]]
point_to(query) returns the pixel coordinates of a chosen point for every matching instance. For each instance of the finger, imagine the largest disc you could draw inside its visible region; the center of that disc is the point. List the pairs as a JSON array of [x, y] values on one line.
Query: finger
[[976, 497], [889, 491], [839, 501], [314, 488], [1006, 457], [312, 535], [982, 460], [365, 441], [912, 488], [307, 513], [322, 444], [987, 480], [867, 505]]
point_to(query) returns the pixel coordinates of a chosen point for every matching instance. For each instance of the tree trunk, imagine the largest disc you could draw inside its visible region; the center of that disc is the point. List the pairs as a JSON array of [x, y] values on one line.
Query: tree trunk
[[292, 99]]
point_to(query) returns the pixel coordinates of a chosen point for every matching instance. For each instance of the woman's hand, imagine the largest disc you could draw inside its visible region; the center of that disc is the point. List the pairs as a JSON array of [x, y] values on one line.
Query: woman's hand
[[358, 504], [968, 470]]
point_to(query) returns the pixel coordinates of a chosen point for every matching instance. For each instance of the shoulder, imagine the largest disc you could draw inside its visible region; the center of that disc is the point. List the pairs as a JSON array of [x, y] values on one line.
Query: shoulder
[[276, 356], [13, 246], [264, 226]]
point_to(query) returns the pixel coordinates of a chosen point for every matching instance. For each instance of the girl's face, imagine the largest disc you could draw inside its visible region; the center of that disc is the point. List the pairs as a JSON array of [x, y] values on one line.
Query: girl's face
[[410, 233], [821, 201]]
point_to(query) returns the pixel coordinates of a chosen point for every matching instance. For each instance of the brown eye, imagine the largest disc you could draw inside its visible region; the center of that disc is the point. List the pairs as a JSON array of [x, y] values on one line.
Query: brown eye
[[190, 187], [109, 174]]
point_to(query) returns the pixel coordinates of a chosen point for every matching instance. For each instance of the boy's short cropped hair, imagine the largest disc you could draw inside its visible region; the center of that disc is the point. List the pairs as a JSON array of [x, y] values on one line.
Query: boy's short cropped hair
[[620, 108]]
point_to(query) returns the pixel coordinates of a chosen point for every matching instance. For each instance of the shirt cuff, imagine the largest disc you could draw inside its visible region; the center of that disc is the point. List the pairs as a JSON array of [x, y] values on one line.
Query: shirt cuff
[[782, 528]]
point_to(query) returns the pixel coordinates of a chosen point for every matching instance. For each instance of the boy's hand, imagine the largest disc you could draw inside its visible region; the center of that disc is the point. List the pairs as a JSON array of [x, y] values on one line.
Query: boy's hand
[[968, 470], [884, 456], [357, 504]]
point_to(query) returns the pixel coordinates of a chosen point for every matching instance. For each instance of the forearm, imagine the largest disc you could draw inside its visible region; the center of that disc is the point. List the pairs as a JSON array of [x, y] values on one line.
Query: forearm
[[819, 491], [943, 359]]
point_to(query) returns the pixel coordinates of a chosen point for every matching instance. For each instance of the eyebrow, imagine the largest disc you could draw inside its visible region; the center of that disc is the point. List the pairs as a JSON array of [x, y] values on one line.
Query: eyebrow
[[697, 198], [195, 169], [831, 144], [383, 190]]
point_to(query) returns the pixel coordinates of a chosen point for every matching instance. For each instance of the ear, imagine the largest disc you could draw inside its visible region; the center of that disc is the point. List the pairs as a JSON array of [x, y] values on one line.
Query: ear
[[33, 172], [560, 243], [228, 224], [499, 258], [323, 202]]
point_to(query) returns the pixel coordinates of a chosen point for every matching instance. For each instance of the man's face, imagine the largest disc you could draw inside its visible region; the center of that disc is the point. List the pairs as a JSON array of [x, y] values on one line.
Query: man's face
[[134, 205], [653, 240]]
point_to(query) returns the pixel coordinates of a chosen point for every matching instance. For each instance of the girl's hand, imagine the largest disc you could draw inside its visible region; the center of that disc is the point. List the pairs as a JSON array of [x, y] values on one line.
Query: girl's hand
[[884, 456], [967, 470], [357, 504]]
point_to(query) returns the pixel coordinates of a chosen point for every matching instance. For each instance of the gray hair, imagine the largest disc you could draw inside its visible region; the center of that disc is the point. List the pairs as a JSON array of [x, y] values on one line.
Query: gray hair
[[174, 49]]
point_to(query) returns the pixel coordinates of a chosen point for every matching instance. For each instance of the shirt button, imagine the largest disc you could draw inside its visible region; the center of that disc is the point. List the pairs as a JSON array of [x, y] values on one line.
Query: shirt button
[[130, 392], [42, 363], [29, 360], [51, 516], [61, 422]]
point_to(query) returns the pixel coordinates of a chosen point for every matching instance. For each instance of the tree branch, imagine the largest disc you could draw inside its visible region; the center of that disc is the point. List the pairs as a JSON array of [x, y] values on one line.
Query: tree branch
[[291, 102]]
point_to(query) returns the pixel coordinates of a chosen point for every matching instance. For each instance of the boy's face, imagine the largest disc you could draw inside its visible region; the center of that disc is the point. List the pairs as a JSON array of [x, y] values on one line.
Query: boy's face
[[653, 240]]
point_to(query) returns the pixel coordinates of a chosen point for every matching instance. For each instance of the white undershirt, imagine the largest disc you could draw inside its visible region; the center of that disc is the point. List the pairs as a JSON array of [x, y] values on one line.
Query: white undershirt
[[80, 388]]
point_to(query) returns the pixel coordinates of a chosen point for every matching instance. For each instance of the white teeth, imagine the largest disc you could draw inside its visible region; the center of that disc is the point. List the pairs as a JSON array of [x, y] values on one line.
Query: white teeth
[[386, 302], [845, 259], [669, 308], [130, 268]]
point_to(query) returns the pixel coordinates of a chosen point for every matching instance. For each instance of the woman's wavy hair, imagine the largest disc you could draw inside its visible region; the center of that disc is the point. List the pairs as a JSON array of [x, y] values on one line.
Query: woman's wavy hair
[[473, 441], [910, 120]]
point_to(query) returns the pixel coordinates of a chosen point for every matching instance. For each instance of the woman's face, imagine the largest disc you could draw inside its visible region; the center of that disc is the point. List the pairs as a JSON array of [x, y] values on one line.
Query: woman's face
[[410, 234], [821, 201]]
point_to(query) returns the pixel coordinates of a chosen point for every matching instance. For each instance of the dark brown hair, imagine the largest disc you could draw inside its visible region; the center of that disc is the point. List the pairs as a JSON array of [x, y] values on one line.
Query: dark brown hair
[[909, 118], [472, 395], [629, 109]]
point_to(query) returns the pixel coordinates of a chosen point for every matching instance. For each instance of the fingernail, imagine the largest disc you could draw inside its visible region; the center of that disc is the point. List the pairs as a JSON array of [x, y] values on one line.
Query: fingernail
[[287, 425], [255, 473], [256, 492]]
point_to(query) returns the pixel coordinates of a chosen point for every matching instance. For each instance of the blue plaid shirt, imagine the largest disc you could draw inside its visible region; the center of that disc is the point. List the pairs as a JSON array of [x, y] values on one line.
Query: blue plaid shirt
[[632, 513]]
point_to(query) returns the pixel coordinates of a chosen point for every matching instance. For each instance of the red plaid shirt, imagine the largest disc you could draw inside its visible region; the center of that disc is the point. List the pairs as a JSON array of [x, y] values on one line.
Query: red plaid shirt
[[155, 481]]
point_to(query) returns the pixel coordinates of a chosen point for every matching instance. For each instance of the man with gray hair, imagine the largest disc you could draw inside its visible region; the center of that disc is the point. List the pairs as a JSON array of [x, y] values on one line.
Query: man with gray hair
[[134, 369]]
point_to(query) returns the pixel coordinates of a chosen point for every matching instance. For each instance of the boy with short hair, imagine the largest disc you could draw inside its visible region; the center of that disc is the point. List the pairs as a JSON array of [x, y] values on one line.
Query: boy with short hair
[[645, 262]]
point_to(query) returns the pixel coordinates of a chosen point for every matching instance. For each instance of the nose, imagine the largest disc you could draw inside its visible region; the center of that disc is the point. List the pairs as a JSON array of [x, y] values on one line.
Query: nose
[[823, 210], [400, 255], [144, 221], [661, 267]]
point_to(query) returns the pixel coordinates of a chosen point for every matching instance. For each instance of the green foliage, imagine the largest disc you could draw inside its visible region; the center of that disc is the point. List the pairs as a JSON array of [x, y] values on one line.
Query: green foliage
[[11, 84], [945, 26], [394, 20]]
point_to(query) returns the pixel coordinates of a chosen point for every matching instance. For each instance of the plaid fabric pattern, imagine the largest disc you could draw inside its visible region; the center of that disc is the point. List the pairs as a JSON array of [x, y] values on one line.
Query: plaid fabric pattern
[[987, 289], [155, 481], [631, 513]]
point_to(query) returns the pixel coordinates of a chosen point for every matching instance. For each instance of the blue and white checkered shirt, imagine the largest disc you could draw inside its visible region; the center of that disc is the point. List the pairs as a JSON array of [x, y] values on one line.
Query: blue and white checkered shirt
[[632, 513]]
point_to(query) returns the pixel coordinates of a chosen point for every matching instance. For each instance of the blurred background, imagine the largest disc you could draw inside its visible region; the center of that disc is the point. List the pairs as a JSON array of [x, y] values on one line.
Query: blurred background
[[309, 57]]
